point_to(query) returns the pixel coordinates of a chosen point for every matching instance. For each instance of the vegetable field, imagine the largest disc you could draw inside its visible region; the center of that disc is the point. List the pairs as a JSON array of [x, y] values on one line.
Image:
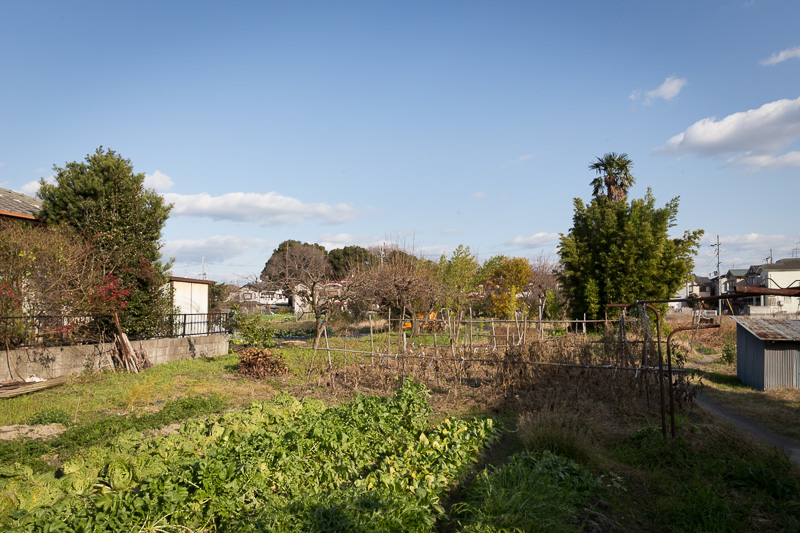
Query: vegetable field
[[285, 465]]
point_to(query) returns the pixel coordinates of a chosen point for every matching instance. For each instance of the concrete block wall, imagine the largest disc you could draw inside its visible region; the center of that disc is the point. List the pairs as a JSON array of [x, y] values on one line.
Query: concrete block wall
[[60, 361]]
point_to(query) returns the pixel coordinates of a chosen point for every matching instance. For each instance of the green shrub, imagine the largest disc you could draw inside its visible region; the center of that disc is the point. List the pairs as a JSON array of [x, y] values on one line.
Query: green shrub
[[729, 352], [253, 329]]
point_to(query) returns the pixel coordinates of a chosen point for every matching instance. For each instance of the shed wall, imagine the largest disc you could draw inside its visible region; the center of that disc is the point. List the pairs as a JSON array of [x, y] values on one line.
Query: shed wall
[[749, 359], [780, 365]]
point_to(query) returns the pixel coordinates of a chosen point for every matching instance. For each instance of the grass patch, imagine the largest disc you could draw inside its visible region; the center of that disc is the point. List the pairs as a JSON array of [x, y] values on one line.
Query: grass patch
[[533, 492], [96, 396], [102, 431], [558, 433]]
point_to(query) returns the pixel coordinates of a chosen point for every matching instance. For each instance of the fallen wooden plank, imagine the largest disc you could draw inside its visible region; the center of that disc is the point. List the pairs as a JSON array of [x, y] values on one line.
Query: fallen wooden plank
[[33, 387]]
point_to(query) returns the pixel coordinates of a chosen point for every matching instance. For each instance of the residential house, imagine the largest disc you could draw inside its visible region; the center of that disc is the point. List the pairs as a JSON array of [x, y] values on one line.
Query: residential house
[[696, 286], [258, 297], [782, 274], [18, 206]]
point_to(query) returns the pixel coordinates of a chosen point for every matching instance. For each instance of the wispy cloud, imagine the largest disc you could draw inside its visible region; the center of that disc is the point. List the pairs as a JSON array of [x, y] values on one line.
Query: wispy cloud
[[752, 138], [537, 240], [520, 159], [479, 195], [216, 248], [268, 209], [783, 55], [158, 181], [668, 90], [340, 240], [32, 187], [741, 251]]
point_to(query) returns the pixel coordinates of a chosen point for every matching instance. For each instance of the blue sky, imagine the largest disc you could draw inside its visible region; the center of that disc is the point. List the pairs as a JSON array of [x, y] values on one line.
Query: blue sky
[[429, 124]]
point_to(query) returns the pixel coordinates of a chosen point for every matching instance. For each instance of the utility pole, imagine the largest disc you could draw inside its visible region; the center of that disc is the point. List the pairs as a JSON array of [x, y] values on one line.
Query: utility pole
[[203, 260], [719, 280]]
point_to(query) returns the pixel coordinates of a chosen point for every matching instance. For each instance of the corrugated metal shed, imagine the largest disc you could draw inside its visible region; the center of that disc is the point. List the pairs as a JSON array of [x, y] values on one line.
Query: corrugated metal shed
[[771, 329], [768, 352]]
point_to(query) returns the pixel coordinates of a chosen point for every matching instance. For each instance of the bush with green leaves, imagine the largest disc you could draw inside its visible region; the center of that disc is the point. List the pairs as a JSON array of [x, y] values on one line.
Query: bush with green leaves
[[729, 352], [252, 329]]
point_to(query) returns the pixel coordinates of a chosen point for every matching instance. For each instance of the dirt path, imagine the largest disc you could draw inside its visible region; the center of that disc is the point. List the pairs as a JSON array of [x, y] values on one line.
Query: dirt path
[[752, 427], [743, 423]]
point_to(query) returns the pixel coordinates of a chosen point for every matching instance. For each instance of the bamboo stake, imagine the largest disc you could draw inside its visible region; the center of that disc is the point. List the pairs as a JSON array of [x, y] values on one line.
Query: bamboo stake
[[371, 343], [330, 363]]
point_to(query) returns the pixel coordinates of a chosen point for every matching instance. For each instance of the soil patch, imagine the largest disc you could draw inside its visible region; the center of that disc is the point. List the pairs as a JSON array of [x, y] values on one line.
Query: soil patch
[[22, 431]]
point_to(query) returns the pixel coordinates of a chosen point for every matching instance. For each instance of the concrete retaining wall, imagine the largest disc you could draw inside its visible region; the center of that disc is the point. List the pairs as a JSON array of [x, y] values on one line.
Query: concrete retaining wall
[[60, 361]]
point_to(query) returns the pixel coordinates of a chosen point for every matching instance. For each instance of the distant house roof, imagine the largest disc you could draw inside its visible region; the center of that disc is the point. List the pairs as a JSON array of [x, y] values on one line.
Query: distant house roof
[[771, 329], [702, 280], [736, 273], [783, 264], [18, 205]]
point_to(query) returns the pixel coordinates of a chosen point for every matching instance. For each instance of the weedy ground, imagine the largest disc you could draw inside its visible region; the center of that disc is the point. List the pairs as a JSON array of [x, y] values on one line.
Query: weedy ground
[[582, 451]]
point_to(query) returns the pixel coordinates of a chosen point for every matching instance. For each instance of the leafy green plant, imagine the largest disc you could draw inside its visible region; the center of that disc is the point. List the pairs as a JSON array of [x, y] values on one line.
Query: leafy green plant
[[50, 416], [282, 465]]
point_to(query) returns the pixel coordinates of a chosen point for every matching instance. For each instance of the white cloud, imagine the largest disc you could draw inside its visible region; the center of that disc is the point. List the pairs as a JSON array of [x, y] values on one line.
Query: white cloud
[[216, 248], [32, 187], [668, 90], [765, 161], [748, 135], [158, 181], [783, 55], [479, 194], [265, 209], [537, 240]]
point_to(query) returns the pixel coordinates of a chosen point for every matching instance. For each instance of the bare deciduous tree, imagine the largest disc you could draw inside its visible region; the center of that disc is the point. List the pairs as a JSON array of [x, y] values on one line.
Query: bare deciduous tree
[[303, 273]]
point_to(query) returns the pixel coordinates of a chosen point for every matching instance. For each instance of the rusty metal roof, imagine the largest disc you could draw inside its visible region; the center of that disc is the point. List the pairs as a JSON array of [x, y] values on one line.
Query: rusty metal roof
[[771, 329]]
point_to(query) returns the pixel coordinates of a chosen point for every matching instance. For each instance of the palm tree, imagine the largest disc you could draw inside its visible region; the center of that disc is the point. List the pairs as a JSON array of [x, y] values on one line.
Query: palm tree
[[614, 176]]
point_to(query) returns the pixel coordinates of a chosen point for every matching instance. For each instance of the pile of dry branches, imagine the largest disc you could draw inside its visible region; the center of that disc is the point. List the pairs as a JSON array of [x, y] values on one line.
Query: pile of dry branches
[[261, 362]]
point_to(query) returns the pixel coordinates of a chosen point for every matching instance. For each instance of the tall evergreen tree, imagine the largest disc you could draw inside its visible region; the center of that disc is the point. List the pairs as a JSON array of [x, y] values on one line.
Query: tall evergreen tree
[[620, 251], [107, 203]]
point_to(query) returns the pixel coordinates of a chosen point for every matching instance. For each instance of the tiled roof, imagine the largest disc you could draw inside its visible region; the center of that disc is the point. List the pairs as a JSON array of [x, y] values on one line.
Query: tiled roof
[[18, 204]]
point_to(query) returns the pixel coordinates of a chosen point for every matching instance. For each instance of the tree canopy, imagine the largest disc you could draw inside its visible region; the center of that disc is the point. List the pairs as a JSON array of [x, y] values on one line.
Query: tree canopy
[[457, 276], [344, 260], [107, 204], [620, 251]]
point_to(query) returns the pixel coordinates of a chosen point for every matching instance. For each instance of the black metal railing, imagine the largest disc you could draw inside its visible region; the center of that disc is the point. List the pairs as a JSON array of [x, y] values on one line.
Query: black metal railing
[[62, 330]]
